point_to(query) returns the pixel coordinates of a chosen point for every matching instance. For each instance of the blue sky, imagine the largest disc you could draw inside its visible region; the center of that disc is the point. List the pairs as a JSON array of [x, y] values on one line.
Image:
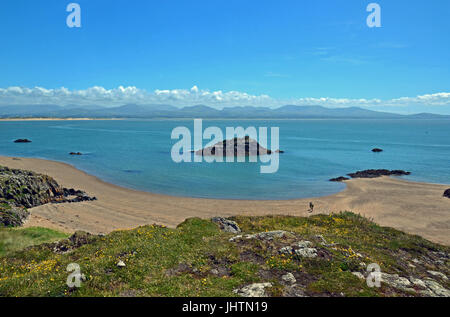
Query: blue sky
[[283, 49]]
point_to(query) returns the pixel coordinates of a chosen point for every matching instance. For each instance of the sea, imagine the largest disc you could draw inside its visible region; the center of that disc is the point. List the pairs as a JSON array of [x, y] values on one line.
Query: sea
[[137, 154]]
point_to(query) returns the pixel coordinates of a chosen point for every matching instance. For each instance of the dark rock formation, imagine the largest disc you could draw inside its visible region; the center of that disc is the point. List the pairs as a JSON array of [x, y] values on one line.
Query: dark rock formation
[[236, 147], [12, 216], [226, 225], [377, 150], [77, 240], [27, 189], [20, 189], [76, 153], [377, 173], [447, 193], [339, 179], [22, 141]]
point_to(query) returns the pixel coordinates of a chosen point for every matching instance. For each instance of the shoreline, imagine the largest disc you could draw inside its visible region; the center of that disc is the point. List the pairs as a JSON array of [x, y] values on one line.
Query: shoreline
[[205, 119], [413, 207]]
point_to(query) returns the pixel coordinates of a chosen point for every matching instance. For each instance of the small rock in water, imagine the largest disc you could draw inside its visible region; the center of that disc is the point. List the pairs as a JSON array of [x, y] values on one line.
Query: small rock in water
[[121, 264], [22, 141], [377, 150], [339, 179], [289, 278], [76, 153]]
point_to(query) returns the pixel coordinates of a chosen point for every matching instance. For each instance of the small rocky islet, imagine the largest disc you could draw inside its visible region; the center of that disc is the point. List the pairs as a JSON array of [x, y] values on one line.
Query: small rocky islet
[[22, 141], [371, 173], [244, 146]]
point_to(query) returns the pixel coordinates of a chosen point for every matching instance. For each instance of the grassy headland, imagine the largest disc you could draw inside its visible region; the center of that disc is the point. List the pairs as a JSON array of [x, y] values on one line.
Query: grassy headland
[[199, 259]]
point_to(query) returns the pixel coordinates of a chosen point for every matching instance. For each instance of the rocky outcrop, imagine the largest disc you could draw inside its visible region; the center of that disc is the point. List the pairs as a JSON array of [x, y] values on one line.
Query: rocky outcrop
[[253, 290], [226, 225], [302, 249], [76, 153], [27, 189], [339, 179], [245, 146], [22, 141], [267, 236], [12, 216], [372, 173], [378, 173], [447, 193], [20, 189], [75, 241]]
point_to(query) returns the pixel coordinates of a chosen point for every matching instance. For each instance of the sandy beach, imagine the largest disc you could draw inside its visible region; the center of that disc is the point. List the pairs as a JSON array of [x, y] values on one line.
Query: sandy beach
[[417, 208]]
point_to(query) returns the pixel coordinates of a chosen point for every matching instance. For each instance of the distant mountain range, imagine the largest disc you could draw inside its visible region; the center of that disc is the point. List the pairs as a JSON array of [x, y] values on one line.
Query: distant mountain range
[[202, 111]]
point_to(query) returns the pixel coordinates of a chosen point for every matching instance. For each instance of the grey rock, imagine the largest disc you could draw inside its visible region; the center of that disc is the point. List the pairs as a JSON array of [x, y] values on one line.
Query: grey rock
[[396, 281], [253, 290], [214, 272], [293, 291], [226, 225], [418, 282], [303, 244], [233, 239], [270, 235], [437, 289], [301, 248], [306, 252], [289, 278], [438, 274], [287, 250], [359, 275]]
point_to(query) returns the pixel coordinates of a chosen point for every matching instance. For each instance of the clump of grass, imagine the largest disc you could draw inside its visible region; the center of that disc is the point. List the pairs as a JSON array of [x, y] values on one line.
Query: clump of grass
[[12, 239]]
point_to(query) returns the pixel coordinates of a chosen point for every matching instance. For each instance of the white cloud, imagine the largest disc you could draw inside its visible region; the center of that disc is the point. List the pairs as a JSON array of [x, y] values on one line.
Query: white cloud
[[185, 97]]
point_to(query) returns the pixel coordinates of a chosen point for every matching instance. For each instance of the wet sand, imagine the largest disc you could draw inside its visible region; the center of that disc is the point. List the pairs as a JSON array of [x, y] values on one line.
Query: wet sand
[[417, 208]]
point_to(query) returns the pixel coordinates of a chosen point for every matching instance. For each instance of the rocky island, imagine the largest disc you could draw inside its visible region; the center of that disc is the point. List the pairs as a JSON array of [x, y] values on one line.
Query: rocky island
[[245, 146]]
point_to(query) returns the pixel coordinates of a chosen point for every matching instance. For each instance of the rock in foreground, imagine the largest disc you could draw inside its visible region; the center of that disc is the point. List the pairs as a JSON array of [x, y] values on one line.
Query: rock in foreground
[[226, 225], [447, 193], [20, 189]]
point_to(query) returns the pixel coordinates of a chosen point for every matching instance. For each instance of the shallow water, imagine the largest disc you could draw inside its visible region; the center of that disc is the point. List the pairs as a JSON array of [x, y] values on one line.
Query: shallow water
[[136, 154]]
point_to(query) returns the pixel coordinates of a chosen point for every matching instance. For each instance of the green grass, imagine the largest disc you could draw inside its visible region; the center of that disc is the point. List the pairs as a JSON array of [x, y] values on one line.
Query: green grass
[[180, 262], [12, 239]]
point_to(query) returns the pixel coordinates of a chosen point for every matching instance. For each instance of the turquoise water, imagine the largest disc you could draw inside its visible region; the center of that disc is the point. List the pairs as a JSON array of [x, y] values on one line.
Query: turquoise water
[[136, 154]]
